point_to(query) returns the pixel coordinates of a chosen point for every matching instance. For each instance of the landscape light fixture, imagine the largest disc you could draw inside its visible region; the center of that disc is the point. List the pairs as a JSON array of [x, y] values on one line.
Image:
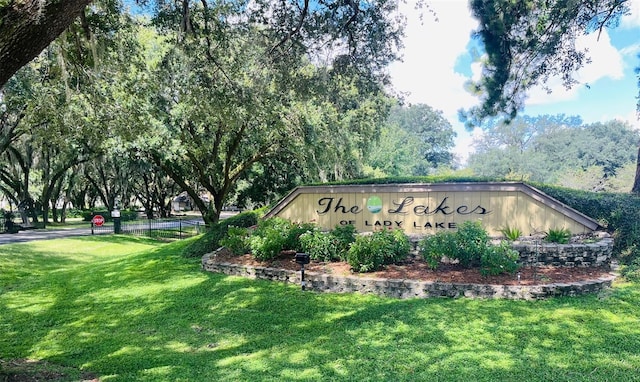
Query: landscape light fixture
[[302, 259]]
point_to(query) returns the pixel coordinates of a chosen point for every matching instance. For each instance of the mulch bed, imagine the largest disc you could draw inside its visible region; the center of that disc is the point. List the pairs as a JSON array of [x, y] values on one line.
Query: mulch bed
[[416, 269]]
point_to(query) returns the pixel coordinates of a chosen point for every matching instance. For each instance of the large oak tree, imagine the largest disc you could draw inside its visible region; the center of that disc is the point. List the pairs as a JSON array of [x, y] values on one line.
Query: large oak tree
[[29, 26]]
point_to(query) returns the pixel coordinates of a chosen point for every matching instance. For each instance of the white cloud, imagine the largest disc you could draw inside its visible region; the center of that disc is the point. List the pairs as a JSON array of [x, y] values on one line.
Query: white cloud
[[606, 61], [431, 50], [633, 19]]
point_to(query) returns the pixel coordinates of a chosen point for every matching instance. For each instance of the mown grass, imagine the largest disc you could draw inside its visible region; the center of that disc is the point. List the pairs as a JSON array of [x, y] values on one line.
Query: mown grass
[[131, 309]]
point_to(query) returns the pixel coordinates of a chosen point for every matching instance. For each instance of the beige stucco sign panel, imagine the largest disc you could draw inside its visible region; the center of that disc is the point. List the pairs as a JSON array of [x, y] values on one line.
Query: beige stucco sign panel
[[429, 208]]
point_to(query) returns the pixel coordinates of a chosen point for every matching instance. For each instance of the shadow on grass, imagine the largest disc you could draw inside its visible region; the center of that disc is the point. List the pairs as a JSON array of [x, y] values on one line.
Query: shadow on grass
[[153, 315]]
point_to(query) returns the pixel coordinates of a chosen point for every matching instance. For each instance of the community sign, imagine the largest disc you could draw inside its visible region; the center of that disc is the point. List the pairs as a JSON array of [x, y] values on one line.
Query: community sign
[[433, 207]]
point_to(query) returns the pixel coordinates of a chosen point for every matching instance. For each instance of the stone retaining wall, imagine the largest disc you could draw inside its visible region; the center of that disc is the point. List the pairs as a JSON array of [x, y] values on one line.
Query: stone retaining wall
[[407, 288], [566, 255]]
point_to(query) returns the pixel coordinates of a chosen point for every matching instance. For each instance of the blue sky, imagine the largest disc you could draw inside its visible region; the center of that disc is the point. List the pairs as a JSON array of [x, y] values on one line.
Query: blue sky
[[437, 63]]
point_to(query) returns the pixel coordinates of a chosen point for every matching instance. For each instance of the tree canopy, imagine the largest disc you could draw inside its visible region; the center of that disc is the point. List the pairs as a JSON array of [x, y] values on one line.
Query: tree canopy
[[557, 150], [529, 42], [416, 140], [225, 99]]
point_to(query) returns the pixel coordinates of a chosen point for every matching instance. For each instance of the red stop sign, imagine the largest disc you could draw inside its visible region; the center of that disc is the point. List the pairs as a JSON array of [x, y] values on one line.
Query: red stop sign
[[98, 220]]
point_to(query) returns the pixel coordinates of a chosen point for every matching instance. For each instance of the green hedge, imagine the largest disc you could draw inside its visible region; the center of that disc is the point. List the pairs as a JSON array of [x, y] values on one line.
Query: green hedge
[[125, 215], [412, 179], [618, 213]]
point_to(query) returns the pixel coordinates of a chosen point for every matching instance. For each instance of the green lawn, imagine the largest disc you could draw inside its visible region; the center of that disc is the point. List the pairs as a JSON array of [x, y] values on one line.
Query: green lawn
[[131, 309]]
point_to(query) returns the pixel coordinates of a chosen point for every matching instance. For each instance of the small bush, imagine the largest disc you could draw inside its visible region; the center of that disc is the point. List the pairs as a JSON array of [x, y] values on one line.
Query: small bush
[[472, 240], [330, 246], [318, 245], [366, 254], [207, 243], [236, 240], [433, 248], [401, 246], [498, 259], [293, 235], [244, 219], [210, 240], [369, 253], [560, 236], [471, 247], [631, 272], [342, 237], [510, 233], [275, 235]]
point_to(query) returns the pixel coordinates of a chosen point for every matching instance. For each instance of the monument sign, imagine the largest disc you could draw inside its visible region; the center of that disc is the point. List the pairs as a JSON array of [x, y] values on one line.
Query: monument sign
[[429, 208]]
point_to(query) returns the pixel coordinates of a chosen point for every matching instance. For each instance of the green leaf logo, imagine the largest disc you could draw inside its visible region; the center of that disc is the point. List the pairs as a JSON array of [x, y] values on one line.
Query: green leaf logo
[[374, 204]]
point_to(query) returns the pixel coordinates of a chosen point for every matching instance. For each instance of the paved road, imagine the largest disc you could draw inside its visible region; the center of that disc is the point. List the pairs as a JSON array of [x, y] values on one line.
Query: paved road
[[47, 234], [42, 234]]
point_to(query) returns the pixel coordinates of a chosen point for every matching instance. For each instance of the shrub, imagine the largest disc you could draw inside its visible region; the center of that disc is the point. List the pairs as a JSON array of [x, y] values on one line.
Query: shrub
[[269, 238], [125, 215], [560, 236], [369, 252], [266, 246], [471, 247], [512, 234], [330, 246], [207, 243], [433, 248], [236, 240], [619, 213], [471, 241], [293, 235], [401, 246], [318, 245], [342, 237], [275, 235], [631, 272], [210, 240], [498, 259]]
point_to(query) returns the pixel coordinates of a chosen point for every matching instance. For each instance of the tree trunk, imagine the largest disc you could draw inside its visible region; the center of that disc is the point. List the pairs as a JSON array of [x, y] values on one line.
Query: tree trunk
[[28, 27], [636, 183]]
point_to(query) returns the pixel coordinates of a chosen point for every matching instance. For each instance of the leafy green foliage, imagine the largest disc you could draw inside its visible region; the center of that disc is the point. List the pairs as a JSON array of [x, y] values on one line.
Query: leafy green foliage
[[236, 240], [318, 245], [631, 271], [513, 31], [370, 252], [416, 140], [511, 233], [471, 242], [401, 246], [210, 241], [343, 236], [125, 215], [618, 213], [556, 150], [469, 245], [328, 246], [275, 235], [497, 259], [558, 235], [433, 248]]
